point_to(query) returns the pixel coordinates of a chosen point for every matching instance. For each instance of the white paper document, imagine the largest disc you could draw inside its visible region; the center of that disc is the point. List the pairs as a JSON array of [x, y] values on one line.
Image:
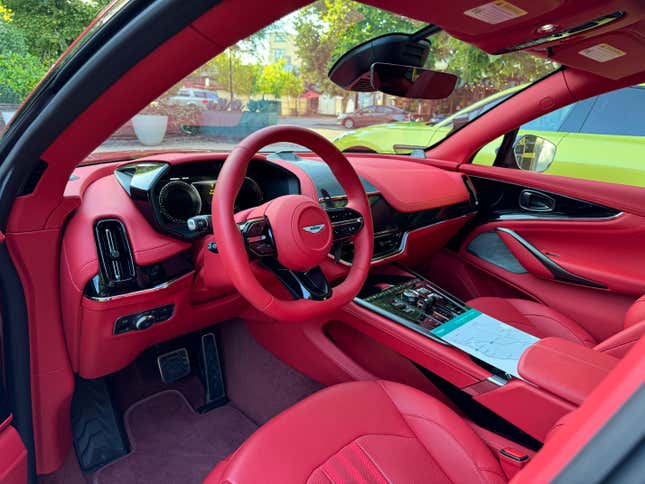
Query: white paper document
[[487, 338]]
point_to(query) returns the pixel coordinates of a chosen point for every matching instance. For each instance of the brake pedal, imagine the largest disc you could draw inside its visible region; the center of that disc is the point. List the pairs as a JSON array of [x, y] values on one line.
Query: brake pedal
[[212, 376], [174, 365]]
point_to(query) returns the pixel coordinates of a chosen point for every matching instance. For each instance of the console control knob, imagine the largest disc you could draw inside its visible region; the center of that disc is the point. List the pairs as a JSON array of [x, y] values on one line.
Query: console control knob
[[410, 296], [429, 302], [144, 322]]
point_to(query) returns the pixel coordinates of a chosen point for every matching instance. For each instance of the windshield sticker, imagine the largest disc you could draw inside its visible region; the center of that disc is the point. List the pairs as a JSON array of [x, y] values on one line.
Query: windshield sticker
[[496, 12], [602, 52]]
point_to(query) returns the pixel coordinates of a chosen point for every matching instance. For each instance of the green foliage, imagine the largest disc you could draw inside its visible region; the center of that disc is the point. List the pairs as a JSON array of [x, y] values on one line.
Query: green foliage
[[276, 80], [49, 26], [11, 38], [328, 28], [476, 67], [244, 76], [19, 73]]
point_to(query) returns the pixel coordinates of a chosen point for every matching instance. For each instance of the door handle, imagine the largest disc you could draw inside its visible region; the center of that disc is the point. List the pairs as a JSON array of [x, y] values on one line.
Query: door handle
[[534, 201]]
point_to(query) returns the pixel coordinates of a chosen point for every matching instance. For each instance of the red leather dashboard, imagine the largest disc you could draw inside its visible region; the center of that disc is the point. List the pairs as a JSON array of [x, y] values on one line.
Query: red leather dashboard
[[89, 323]]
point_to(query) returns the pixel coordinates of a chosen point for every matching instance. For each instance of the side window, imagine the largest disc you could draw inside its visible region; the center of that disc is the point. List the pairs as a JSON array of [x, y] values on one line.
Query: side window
[[184, 92], [545, 126], [619, 113], [549, 122], [599, 139]]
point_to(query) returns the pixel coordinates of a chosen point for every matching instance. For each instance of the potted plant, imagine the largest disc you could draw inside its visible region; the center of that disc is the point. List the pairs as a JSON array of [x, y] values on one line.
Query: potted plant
[[151, 123]]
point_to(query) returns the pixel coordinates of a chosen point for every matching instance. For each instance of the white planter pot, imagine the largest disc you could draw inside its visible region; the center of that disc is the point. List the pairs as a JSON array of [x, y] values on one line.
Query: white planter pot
[[7, 115], [150, 128]]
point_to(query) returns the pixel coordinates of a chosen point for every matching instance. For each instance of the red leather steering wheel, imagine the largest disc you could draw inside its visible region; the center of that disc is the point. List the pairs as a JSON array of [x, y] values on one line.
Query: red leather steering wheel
[[291, 235]]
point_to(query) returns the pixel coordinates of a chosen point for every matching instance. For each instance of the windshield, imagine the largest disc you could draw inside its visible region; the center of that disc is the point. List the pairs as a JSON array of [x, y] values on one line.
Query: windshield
[[279, 76]]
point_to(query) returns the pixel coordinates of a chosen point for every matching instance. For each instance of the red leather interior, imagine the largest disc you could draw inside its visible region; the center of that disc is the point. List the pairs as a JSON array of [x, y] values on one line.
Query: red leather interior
[[564, 368], [230, 243], [406, 185], [525, 258], [526, 406], [13, 458], [581, 248], [373, 431], [620, 343], [636, 313], [580, 426], [34, 230], [534, 318], [599, 312], [106, 199]]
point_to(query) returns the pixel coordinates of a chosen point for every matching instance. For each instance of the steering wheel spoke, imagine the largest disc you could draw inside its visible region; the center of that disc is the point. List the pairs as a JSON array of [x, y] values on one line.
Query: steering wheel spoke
[[258, 238], [346, 223], [311, 284]]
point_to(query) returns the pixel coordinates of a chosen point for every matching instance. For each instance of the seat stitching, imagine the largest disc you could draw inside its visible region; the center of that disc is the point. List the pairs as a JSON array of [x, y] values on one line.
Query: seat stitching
[[379, 471], [345, 461], [320, 465]]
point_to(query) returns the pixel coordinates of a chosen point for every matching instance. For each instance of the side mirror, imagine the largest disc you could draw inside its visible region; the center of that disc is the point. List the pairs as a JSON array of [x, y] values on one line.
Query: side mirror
[[533, 153]]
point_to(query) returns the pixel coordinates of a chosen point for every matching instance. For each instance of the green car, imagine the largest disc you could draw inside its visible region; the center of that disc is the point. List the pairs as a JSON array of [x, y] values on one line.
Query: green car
[[590, 136]]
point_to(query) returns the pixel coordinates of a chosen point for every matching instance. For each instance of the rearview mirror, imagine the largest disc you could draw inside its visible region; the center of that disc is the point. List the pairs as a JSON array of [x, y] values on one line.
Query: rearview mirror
[[533, 153], [392, 63], [411, 82]]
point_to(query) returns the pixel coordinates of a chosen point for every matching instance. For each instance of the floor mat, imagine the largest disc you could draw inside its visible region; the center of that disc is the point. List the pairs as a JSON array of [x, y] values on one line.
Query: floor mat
[[173, 444]]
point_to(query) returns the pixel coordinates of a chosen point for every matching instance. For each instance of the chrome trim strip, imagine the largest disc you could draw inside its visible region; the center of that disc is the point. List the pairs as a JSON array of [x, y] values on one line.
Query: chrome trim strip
[[556, 218], [343, 197], [159, 287], [497, 380]]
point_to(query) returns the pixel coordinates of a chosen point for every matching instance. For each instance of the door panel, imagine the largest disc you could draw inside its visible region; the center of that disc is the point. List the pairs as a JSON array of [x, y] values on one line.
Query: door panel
[[13, 456], [581, 258]]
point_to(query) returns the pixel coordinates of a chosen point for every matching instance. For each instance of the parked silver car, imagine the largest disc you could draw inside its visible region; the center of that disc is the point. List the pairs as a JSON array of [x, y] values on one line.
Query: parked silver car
[[195, 98]]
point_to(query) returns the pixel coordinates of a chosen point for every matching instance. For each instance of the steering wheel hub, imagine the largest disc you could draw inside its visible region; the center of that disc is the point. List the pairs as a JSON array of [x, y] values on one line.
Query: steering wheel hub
[[301, 230]]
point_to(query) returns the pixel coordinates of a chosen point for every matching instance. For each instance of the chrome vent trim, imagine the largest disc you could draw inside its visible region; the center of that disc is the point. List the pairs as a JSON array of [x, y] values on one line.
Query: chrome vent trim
[[115, 255]]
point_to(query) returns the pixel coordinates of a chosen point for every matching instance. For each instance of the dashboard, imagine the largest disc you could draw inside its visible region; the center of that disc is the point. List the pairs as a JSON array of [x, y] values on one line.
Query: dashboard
[[168, 195], [133, 274]]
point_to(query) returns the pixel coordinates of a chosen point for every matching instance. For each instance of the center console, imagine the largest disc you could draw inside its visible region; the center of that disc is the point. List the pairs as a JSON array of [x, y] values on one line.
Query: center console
[[501, 367], [414, 302]]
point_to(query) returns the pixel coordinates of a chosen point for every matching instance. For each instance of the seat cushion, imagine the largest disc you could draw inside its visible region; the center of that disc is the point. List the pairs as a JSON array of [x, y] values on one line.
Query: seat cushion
[[533, 318], [370, 432]]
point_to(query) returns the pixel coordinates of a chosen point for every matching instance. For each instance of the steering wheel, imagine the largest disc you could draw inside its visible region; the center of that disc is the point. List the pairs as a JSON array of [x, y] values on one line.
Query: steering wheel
[[291, 235]]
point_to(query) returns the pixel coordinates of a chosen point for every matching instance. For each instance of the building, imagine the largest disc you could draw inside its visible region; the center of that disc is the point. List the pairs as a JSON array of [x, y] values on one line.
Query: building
[[281, 46]]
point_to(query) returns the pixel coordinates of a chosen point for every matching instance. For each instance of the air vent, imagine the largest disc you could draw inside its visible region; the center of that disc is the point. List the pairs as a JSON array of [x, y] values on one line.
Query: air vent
[[115, 255]]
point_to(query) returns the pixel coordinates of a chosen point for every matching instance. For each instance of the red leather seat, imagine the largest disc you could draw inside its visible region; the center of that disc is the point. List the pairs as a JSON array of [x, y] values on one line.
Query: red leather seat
[[542, 321], [370, 432]]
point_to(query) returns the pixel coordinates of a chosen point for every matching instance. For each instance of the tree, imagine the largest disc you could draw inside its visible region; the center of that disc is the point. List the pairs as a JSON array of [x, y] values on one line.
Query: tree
[[328, 28], [278, 81], [228, 71], [49, 26], [19, 73], [19, 70]]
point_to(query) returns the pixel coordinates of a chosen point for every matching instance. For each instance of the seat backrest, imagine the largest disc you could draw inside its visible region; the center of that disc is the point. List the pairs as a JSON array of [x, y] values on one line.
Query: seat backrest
[[634, 327]]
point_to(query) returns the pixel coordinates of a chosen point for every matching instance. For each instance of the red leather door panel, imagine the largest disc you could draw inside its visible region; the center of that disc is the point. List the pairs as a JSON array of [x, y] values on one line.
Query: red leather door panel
[[604, 256], [13, 456]]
